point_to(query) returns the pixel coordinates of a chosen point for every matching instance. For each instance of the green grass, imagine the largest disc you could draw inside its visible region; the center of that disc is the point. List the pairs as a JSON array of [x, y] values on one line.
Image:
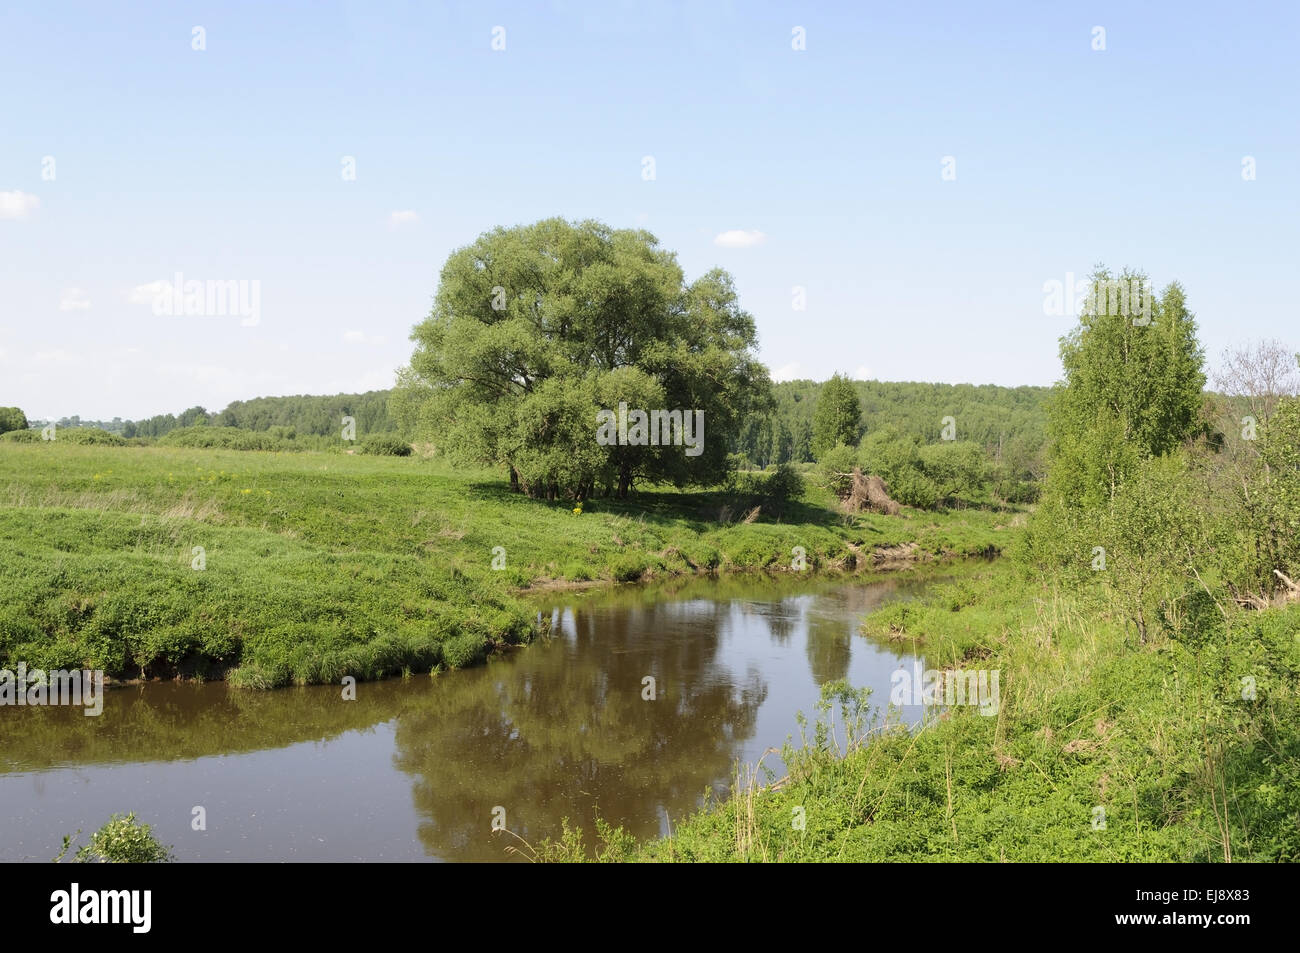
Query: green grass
[[320, 565], [1157, 736]]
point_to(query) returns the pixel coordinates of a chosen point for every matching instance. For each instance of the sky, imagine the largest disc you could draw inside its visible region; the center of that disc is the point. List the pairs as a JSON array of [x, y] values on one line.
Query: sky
[[913, 175]]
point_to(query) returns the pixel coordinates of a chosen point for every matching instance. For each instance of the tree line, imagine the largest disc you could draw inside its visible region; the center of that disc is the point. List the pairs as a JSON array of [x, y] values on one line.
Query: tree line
[[1007, 421], [302, 414]]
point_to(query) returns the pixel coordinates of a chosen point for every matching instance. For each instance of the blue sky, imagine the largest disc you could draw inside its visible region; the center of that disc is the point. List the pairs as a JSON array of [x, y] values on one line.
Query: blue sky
[[225, 163]]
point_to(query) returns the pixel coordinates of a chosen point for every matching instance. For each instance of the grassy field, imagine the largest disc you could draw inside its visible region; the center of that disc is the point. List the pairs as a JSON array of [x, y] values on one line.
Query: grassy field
[[1101, 750], [316, 566]]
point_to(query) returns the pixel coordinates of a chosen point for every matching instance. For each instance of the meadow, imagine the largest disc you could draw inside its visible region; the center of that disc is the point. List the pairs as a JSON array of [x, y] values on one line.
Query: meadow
[[270, 569]]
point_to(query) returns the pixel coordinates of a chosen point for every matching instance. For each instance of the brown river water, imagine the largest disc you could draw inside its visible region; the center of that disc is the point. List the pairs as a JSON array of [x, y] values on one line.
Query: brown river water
[[414, 769]]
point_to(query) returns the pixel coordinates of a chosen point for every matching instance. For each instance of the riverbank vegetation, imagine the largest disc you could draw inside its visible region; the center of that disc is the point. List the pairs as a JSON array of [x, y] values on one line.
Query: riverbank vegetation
[[1103, 749], [279, 568], [1146, 637]]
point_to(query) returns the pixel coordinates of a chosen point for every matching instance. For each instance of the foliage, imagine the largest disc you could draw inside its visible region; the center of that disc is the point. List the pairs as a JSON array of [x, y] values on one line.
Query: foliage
[[228, 438], [316, 415], [535, 329], [320, 416], [835, 470], [385, 446], [1131, 391], [1270, 500], [11, 418], [123, 840], [836, 418], [1008, 422], [89, 435], [773, 493]]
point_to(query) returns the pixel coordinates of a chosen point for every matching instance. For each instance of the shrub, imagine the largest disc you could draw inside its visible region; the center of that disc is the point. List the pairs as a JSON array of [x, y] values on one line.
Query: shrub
[[911, 487], [783, 485], [835, 469], [11, 419], [21, 436], [386, 446], [123, 841], [225, 438], [89, 435], [896, 458]]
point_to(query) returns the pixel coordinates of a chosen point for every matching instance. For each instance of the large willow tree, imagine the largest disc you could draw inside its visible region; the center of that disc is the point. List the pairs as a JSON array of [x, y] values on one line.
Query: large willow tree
[[537, 328]]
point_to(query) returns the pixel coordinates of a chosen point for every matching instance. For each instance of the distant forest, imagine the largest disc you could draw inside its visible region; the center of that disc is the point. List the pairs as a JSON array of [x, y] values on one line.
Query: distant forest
[[304, 414], [1009, 422], [1006, 421]]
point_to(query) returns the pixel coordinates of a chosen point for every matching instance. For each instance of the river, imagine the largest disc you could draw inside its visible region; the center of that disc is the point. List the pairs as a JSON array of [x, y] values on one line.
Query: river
[[416, 769]]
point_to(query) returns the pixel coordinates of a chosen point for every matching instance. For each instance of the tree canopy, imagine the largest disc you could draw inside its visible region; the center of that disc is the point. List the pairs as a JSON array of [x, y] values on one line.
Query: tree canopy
[[11, 418], [1133, 389], [537, 329], [836, 419]]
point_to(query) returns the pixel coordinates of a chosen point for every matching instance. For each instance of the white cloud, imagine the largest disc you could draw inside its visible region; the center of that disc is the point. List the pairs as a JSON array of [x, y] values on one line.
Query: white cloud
[[145, 294], [789, 372], [17, 205], [360, 337], [864, 373], [74, 299], [404, 217], [740, 238]]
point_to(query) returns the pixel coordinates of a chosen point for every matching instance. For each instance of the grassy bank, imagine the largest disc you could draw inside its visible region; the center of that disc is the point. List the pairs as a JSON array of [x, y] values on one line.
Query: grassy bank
[[1102, 749], [316, 566]]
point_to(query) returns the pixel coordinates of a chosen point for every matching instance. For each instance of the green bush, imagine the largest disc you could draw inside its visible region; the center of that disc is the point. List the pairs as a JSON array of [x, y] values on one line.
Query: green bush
[[11, 419], [122, 841], [896, 458], [835, 468], [783, 485], [380, 445], [225, 438], [21, 436], [89, 435]]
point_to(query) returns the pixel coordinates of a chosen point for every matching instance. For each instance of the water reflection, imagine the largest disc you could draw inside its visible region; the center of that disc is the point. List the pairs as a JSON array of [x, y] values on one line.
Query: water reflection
[[414, 769]]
